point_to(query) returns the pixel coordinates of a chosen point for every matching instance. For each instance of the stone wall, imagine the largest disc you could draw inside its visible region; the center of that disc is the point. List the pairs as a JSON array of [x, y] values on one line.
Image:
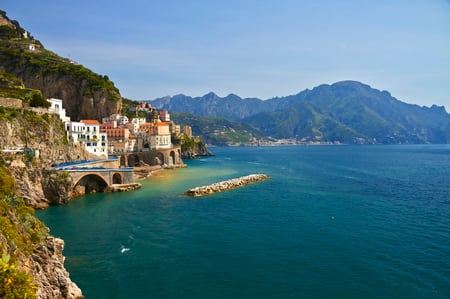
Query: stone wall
[[10, 102]]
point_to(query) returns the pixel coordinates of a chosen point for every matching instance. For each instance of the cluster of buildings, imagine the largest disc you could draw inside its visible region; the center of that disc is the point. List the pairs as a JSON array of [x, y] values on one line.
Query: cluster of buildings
[[118, 134]]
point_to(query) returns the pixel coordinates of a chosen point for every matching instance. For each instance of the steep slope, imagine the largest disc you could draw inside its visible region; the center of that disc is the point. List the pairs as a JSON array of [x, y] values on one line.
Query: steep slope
[[85, 94], [46, 137], [31, 263]]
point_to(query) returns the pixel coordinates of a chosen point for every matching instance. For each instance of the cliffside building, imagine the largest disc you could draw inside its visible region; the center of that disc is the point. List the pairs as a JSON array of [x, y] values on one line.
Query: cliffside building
[[164, 115], [88, 133], [156, 135], [56, 107], [187, 130]]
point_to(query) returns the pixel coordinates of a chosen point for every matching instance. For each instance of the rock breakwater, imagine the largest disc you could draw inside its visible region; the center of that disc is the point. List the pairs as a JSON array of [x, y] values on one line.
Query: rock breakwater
[[226, 185]]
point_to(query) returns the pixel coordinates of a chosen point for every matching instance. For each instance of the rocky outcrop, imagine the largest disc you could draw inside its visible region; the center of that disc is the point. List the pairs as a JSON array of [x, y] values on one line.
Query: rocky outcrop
[[46, 140], [226, 185], [85, 94], [195, 149], [56, 186], [47, 266], [80, 99], [29, 186]]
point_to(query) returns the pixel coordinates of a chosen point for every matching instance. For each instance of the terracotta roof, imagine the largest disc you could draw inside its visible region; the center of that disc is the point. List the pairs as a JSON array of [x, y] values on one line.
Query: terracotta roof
[[90, 121]]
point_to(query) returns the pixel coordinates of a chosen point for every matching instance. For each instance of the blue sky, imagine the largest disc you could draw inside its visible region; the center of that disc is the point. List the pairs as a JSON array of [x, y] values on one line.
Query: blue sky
[[250, 48]]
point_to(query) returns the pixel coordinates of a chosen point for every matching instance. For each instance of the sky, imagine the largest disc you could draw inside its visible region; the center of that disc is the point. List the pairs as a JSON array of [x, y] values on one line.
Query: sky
[[252, 48]]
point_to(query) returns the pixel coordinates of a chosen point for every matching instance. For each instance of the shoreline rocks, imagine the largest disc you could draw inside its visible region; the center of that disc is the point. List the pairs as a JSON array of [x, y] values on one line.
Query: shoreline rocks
[[122, 187], [226, 185], [47, 266]]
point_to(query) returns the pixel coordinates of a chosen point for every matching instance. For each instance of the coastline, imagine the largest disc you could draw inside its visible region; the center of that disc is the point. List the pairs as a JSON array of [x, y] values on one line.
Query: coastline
[[144, 172]]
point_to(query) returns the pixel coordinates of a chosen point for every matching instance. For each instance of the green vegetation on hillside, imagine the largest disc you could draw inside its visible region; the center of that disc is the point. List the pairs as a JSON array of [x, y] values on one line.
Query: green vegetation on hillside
[[16, 56], [188, 144], [13, 87], [42, 62], [129, 109], [20, 231], [216, 131]]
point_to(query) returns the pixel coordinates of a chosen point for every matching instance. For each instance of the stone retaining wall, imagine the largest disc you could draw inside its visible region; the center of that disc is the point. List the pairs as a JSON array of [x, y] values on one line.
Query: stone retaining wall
[[10, 103], [226, 185]]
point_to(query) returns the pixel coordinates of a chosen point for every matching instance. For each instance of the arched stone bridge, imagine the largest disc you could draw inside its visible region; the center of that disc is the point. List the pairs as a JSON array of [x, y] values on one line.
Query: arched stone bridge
[[92, 180], [115, 173], [103, 175]]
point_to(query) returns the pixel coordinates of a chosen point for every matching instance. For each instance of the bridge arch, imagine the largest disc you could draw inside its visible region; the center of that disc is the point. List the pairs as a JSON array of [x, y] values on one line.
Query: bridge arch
[[90, 183], [117, 178], [172, 159]]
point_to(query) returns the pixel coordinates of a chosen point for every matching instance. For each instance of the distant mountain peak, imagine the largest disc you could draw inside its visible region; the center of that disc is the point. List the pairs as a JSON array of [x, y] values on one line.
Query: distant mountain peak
[[211, 95]]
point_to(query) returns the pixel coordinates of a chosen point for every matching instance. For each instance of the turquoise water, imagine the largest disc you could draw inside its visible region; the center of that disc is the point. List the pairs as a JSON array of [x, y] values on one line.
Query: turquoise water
[[332, 222]]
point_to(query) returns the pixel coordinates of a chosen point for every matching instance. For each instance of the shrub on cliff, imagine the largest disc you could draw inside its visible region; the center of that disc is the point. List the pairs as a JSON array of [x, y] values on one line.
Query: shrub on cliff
[[13, 282], [37, 100], [20, 231], [7, 182]]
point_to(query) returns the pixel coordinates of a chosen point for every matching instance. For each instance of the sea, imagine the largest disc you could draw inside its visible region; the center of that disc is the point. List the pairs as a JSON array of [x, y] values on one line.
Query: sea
[[331, 222]]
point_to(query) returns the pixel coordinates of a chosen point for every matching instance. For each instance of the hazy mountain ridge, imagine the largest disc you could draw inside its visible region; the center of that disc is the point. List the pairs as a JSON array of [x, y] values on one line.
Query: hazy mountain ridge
[[346, 112], [211, 105]]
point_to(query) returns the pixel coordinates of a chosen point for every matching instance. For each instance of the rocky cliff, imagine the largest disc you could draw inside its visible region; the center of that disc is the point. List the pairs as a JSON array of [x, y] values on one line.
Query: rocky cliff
[[47, 263], [30, 143], [42, 142], [191, 147], [31, 264], [85, 94]]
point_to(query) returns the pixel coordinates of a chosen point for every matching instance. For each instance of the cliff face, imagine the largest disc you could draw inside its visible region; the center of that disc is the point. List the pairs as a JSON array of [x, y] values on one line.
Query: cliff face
[[85, 94], [31, 264], [47, 263], [46, 138], [80, 99]]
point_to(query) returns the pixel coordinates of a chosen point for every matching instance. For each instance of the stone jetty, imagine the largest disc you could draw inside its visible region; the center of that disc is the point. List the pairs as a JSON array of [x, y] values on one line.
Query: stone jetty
[[226, 185]]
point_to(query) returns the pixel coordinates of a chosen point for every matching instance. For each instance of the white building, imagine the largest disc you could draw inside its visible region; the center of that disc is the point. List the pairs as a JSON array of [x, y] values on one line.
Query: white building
[[56, 107], [123, 120], [88, 133]]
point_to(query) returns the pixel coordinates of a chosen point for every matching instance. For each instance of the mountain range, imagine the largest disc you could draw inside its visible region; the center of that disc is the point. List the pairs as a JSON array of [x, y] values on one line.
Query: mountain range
[[344, 112]]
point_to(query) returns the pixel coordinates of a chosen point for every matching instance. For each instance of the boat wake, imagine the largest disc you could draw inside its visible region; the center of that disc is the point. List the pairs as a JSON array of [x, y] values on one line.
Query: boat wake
[[124, 249]]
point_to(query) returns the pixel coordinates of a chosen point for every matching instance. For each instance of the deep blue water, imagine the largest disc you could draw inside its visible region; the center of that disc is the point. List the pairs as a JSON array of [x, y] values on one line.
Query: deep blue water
[[332, 222]]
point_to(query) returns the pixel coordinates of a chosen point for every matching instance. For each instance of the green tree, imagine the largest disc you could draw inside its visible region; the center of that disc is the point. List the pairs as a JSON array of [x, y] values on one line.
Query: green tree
[[37, 100]]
